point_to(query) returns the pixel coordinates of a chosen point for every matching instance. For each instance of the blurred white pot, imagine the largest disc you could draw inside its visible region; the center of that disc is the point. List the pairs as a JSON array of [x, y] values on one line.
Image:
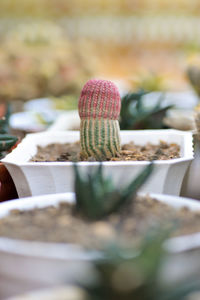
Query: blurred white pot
[[27, 265]]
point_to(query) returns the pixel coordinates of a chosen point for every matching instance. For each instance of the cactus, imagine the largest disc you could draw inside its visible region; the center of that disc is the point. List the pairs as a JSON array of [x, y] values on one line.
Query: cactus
[[97, 197], [99, 109]]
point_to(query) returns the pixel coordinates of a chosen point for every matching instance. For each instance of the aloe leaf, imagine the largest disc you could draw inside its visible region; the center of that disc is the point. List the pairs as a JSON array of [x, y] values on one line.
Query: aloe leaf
[[97, 197], [133, 187], [117, 199], [90, 193]]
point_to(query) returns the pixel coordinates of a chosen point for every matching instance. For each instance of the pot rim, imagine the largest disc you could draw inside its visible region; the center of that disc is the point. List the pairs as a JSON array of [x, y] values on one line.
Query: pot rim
[[10, 159]]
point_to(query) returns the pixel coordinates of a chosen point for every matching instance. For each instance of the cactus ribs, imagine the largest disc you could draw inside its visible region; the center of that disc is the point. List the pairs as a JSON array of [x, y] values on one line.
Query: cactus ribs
[[99, 109]]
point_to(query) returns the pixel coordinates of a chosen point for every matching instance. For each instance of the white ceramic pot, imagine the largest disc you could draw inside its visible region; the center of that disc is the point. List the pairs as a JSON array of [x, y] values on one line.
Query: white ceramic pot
[[38, 178], [27, 265]]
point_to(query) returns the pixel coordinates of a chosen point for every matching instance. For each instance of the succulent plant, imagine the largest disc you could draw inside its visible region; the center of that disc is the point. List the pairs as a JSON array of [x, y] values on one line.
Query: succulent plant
[[99, 109], [135, 115], [97, 197], [135, 273]]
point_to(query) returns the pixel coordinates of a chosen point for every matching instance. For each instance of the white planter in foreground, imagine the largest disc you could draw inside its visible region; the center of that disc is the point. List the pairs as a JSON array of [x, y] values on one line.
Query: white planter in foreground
[[38, 178], [27, 265]]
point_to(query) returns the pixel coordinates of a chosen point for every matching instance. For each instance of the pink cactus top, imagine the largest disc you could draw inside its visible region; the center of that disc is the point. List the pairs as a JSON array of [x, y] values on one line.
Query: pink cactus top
[[99, 99]]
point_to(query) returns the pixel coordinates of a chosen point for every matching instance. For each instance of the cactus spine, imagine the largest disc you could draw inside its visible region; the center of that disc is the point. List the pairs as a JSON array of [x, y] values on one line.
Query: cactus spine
[[99, 109]]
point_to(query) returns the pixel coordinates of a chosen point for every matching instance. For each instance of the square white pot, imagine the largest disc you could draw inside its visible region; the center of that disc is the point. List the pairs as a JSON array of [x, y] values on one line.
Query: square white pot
[[37, 178]]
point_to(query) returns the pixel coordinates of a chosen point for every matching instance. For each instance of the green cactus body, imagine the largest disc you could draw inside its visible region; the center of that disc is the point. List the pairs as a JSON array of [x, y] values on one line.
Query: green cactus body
[[99, 108]]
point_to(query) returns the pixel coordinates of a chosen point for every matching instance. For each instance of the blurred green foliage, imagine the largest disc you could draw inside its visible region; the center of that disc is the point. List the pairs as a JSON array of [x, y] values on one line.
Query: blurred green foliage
[[136, 274], [136, 115], [97, 196]]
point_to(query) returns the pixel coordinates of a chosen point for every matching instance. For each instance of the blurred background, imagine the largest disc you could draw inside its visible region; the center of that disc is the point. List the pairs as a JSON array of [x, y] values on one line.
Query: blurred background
[[50, 48]]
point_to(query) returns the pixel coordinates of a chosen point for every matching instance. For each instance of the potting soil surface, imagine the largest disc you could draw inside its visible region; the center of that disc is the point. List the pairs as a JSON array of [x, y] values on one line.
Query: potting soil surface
[[62, 224], [129, 152]]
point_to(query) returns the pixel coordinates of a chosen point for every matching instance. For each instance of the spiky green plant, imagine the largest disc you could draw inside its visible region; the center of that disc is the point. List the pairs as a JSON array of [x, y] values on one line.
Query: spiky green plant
[[99, 108], [97, 197], [135, 115], [135, 273]]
